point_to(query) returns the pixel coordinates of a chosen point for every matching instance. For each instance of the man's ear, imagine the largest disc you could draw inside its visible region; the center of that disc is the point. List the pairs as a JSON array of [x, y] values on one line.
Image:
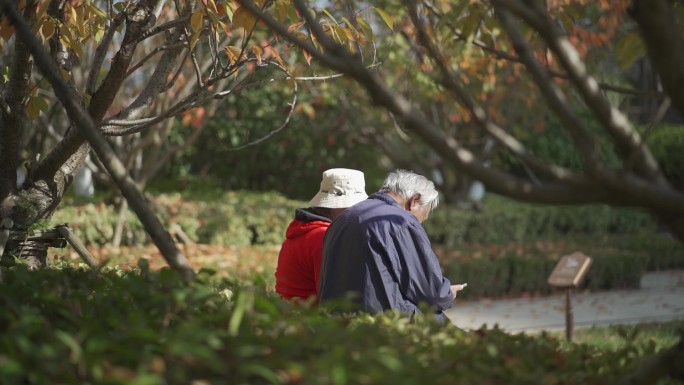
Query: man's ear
[[414, 202]]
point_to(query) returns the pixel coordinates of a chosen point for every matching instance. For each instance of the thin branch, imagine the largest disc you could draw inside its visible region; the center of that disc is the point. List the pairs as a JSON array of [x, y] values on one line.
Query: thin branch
[[101, 52], [498, 54], [179, 71], [293, 103], [150, 54], [181, 20], [282, 30], [189, 102]]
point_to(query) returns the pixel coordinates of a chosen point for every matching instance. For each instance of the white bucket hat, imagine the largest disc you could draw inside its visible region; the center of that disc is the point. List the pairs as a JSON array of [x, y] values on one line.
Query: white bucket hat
[[340, 188]]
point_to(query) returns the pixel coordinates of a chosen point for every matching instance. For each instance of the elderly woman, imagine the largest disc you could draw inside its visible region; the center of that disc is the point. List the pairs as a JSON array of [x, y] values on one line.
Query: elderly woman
[[378, 253], [299, 260]]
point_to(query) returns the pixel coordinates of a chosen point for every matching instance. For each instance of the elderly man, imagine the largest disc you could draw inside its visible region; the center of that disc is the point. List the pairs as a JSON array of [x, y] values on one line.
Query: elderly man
[[378, 253]]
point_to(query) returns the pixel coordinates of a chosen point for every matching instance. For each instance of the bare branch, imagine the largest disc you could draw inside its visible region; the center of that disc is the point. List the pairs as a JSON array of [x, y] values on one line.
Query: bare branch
[[156, 84], [193, 100], [101, 52], [293, 103], [151, 54]]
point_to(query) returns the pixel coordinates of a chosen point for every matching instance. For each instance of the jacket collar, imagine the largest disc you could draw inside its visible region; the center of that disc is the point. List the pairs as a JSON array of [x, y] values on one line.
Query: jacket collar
[[385, 198], [308, 215]]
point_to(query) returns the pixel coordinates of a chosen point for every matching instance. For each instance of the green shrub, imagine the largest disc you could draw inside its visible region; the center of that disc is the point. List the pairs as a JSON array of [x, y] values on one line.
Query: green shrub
[[114, 327], [95, 223], [666, 143]]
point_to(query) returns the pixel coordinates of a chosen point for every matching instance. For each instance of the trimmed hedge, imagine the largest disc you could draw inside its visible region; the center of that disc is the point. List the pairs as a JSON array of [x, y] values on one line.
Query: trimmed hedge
[[497, 250], [114, 327], [239, 218], [503, 221], [618, 262], [232, 218], [514, 276]]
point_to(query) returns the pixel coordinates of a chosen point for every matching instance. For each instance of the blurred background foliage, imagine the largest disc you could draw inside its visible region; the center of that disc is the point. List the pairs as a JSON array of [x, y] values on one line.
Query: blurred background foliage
[[321, 135], [224, 195], [505, 248]]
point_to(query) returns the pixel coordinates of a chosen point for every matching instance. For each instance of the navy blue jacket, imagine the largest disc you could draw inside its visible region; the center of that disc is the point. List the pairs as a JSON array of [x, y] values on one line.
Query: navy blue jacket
[[380, 254]]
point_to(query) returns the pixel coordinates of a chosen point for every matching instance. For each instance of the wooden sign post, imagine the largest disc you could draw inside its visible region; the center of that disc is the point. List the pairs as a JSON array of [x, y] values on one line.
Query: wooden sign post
[[567, 275]]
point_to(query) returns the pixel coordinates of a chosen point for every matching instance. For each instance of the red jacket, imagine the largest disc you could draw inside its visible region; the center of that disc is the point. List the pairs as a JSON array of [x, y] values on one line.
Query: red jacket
[[299, 261]]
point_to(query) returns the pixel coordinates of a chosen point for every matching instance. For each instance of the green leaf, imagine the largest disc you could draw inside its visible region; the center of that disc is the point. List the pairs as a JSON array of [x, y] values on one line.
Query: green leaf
[[366, 28], [629, 49], [471, 23], [238, 312], [70, 341], [41, 103], [196, 21], [325, 11], [385, 17]]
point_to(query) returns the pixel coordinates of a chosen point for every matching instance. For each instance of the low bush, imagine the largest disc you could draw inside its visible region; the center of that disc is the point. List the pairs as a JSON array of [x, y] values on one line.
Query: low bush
[[665, 142], [147, 327]]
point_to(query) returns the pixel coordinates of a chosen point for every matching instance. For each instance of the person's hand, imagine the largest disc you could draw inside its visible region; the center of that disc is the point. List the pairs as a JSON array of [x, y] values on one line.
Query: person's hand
[[456, 288]]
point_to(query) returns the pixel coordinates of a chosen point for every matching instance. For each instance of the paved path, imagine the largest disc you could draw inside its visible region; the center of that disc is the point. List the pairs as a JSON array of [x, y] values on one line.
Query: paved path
[[661, 298]]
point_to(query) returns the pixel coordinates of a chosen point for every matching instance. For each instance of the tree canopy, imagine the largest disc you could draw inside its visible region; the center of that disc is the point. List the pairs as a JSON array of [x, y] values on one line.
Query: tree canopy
[[471, 82], [546, 43]]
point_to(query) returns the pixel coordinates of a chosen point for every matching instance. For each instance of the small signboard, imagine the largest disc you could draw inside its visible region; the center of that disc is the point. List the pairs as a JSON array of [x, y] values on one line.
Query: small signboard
[[570, 270]]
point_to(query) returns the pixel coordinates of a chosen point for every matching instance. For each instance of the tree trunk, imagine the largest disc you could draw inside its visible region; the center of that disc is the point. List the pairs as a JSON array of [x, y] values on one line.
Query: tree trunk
[[33, 253]]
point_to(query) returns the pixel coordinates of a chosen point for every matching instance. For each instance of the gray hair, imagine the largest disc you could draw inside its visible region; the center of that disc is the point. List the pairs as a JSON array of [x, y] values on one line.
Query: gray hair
[[407, 184]]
